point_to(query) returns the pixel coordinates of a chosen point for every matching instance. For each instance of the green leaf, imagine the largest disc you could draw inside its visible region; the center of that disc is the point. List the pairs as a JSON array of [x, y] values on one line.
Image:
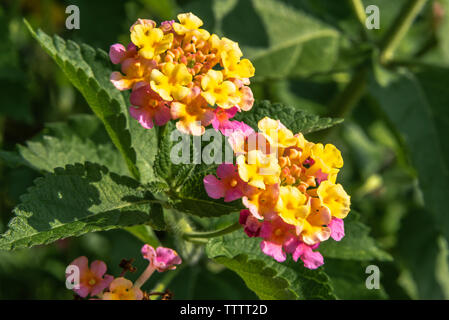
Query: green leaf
[[416, 104], [356, 245], [82, 138], [145, 234], [348, 279], [423, 251], [262, 274], [294, 119], [77, 200], [280, 40], [89, 71], [183, 183]]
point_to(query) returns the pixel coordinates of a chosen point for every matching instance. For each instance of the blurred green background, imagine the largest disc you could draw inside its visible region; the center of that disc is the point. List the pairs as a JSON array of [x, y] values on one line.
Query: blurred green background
[[381, 172]]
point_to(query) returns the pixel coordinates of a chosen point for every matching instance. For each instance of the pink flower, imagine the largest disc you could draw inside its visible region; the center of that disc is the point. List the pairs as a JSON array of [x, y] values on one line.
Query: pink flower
[[221, 120], [230, 186], [151, 107], [118, 53], [250, 223], [238, 135], [276, 234], [299, 250], [337, 227], [92, 280], [162, 259]]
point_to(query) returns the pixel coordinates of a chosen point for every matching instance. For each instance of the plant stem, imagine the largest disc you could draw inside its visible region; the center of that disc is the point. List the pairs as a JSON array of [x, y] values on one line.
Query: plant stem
[[351, 94], [211, 234], [359, 10], [144, 276], [400, 28], [354, 90]]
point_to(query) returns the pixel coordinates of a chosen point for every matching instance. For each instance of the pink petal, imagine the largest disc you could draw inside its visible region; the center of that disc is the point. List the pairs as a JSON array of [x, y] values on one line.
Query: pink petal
[[252, 227], [244, 214], [143, 116], [162, 115], [98, 268], [166, 258], [148, 252], [81, 263], [214, 187], [266, 230], [83, 291], [273, 250], [233, 194], [102, 285], [311, 259], [117, 53], [226, 170], [337, 227]]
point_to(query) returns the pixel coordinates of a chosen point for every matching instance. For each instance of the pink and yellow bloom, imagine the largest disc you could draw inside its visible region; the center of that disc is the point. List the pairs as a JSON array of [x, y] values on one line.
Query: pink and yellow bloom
[[179, 61], [295, 203], [93, 279], [122, 289]]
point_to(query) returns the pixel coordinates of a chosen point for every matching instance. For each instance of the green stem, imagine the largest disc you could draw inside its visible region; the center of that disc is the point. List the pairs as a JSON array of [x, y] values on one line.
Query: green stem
[[359, 10], [399, 28], [351, 94], [211, 234]]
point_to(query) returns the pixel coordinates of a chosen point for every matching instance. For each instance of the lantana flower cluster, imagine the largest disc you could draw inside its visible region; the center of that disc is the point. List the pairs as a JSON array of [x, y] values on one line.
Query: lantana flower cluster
[[288, 185], [179, 71], [94, 282]]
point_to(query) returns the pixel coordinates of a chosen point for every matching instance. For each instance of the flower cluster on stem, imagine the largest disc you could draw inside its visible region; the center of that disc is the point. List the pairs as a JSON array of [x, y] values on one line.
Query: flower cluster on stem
[[95, 283], [182, 72], [288, 185]]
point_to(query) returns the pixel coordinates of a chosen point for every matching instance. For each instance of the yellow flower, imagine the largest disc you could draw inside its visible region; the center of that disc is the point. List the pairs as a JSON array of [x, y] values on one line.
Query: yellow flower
[[315, 225], [334, 197], [150, 40], [293, 206], [171, 82], [276, 134], [258, 169], [217, 91], [327, 158], [262, 203], [236, 68], [192, 117], [225, 45], [190, 24], [122, 289]]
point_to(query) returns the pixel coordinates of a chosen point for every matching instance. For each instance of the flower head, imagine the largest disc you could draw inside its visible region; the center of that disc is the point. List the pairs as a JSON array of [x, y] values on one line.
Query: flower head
[[294, 203], [180, 62], [122, 289], [162, 259], [93, 279]]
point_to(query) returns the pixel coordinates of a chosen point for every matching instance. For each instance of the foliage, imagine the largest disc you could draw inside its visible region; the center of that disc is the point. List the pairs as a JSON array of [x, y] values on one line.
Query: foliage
[[80, 176]]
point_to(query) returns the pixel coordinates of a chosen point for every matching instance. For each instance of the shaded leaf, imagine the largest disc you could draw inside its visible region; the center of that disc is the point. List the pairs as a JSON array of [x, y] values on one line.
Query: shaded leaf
[[294, 119], [76, 200]]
